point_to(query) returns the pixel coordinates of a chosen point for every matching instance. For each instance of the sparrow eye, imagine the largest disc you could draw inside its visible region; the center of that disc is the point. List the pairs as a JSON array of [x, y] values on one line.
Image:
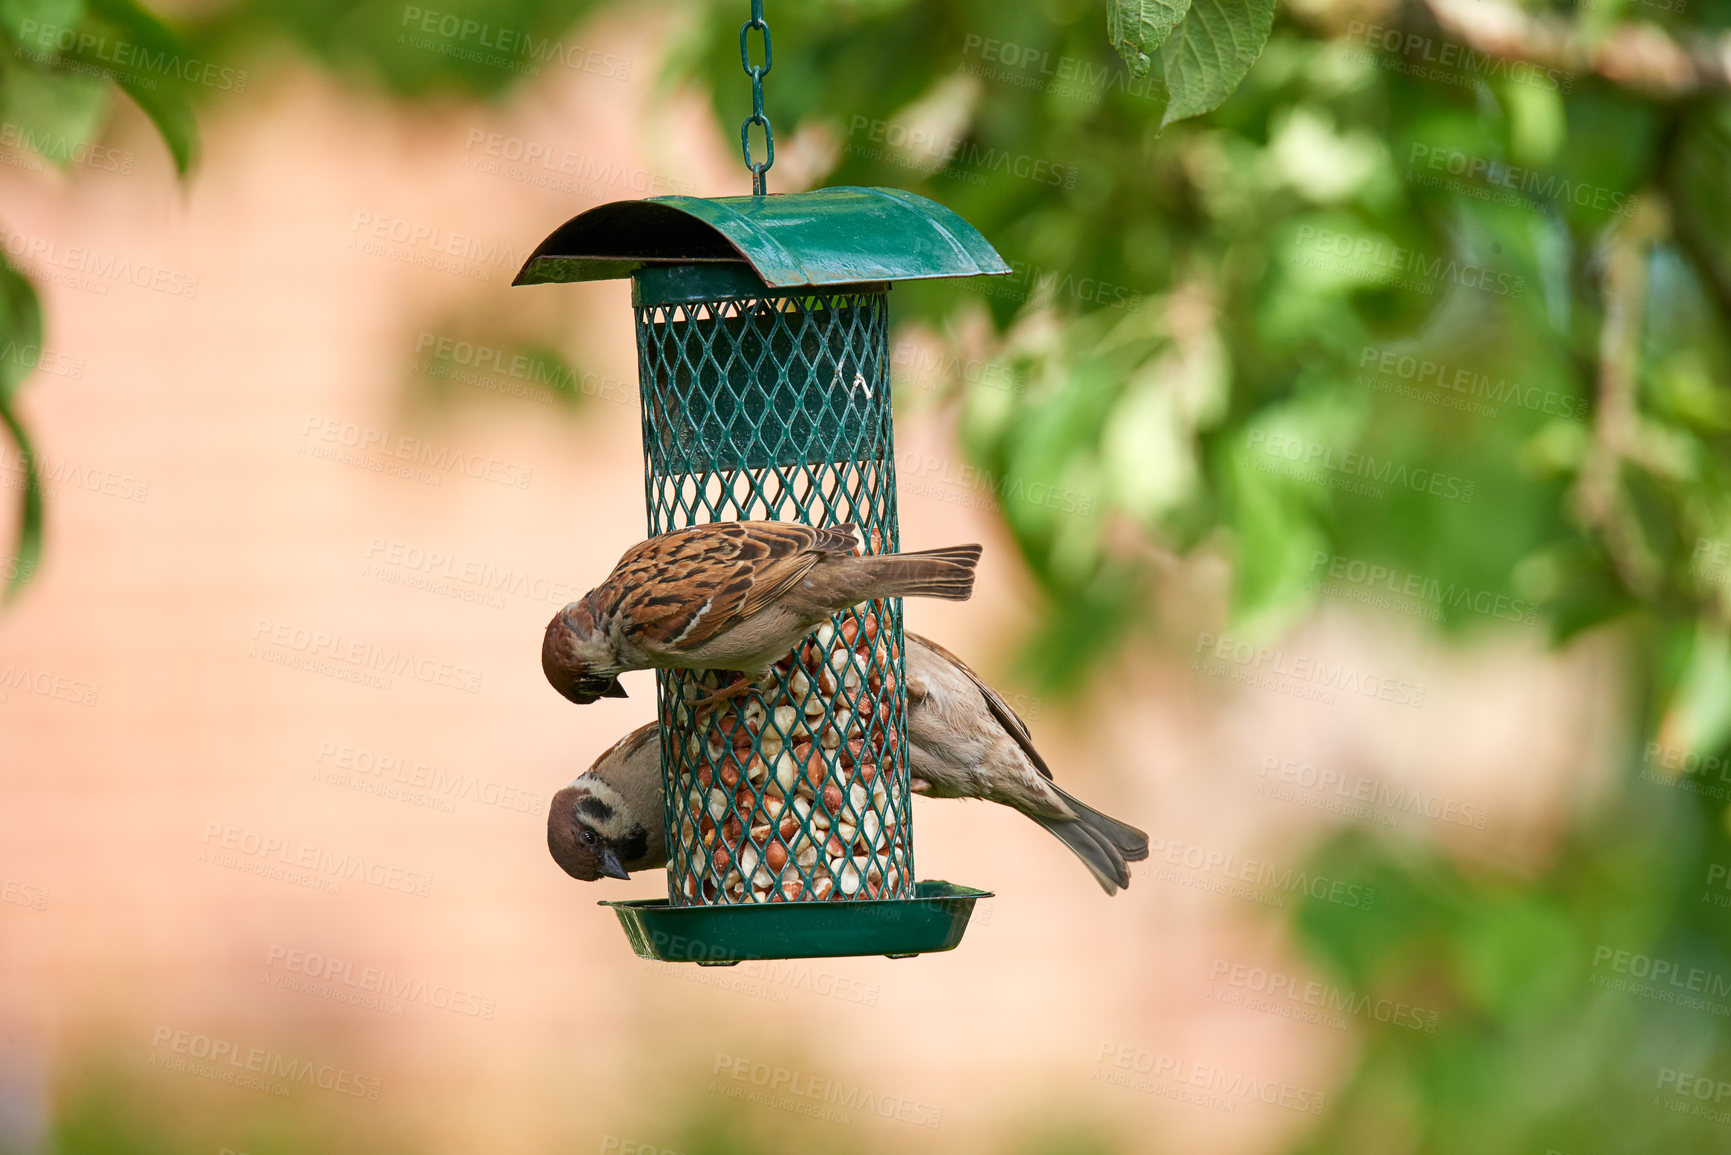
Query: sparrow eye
[[588, 836]]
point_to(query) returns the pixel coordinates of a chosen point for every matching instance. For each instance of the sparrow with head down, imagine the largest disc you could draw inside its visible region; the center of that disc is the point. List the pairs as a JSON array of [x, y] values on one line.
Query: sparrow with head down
[[964, 741], [730, 595], [609, 820]]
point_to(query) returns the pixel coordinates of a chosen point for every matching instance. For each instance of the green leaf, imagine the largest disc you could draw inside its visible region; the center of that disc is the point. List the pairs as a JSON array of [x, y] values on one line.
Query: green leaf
[[29, 549], [17, 16], [1211, 52], [57, 115], [143, 56], [20, 328], [1139, 27]]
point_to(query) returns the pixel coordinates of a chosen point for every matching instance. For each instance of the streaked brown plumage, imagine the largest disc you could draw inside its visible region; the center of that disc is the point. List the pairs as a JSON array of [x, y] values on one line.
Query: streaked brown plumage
[[732, 595], [964, 741]]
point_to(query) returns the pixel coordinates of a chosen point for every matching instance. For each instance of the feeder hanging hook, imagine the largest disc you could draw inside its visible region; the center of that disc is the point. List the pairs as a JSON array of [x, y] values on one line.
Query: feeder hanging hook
[[757, 72]]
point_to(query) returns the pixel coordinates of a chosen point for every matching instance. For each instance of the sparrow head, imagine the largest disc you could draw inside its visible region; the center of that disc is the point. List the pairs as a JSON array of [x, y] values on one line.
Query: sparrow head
[[577, 658], [583, 831]]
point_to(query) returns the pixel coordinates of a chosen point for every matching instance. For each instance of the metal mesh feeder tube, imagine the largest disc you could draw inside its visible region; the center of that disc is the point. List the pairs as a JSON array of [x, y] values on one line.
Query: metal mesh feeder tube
[[762, 335], [767, 404]]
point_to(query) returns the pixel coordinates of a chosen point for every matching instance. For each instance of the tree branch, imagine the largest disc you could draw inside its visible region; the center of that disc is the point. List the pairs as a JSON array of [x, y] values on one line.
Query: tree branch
[[1638, 56]]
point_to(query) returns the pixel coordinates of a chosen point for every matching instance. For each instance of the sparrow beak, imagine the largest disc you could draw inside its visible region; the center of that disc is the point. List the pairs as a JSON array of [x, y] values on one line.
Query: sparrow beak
[[588, 690], [611, 866]]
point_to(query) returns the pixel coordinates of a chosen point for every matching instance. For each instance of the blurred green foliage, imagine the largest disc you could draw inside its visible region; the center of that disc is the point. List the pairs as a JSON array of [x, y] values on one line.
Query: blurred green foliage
[[59, 60], [107, 1108], [438, 48], [1467, 322], [1256, 338], [108, 1111]]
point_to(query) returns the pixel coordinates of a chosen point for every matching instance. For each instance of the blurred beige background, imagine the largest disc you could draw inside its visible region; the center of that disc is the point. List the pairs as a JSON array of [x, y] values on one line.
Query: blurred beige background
[[329, 241]]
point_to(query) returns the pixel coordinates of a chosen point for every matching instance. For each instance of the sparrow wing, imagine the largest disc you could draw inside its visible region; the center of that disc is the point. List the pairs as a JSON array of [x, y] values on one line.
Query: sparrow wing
[[1000, 709], [684, 588], [624, 750]]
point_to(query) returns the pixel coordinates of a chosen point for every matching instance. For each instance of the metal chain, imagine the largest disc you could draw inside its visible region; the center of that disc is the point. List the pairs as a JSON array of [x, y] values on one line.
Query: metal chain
[[758, 184]]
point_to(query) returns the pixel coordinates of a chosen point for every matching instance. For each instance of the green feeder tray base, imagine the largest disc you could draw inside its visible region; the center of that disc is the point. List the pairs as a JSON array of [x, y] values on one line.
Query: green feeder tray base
[[932, 920]]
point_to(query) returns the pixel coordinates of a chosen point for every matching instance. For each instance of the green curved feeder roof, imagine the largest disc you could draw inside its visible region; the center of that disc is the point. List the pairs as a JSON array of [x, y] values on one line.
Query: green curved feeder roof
[[831, 236]]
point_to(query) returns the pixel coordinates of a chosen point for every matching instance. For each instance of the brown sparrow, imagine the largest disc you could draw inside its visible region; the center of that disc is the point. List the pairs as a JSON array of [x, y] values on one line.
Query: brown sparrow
[[963, 742], [731, 595], [609, 820]]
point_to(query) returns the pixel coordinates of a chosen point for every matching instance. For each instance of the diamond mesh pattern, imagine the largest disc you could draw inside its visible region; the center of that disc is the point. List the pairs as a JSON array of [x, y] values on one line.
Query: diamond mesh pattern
[[777, 407]]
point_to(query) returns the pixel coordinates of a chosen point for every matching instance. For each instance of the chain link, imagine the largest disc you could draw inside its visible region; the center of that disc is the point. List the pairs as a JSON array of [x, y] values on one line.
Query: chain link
[[759, 184]]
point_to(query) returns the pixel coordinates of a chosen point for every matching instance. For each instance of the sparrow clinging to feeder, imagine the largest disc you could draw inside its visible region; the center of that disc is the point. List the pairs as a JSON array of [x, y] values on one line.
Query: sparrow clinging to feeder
[[730, 595], [608, 821], [963, 742]]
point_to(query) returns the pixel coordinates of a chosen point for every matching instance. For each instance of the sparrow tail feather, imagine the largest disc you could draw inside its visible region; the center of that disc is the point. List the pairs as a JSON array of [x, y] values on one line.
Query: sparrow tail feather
[[934, 573], [1099, 856], [1121, 836]]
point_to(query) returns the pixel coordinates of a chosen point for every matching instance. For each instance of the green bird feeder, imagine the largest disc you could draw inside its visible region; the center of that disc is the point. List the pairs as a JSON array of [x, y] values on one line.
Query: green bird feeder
[[763, 360]]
